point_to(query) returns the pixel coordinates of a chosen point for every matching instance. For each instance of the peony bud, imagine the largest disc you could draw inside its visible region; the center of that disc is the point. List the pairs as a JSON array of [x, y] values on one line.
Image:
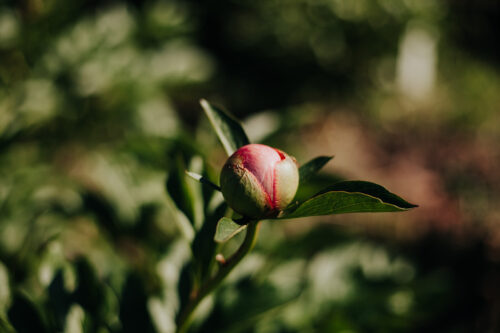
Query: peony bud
[[259, 181]]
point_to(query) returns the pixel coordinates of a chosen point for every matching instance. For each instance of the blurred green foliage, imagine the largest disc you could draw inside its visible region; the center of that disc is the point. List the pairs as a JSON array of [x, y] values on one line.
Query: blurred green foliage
[[99, 116]]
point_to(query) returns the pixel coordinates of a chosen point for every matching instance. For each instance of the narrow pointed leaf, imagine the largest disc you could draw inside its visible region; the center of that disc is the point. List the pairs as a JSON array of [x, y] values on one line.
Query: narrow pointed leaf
[[228, 129], [227, 229], [180, 191], [202, 180], [310, 168], [186, 195], [349, 197]]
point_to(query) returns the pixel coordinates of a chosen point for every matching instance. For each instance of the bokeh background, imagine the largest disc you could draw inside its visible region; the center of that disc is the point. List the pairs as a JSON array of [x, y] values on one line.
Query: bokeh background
[[99, 106]]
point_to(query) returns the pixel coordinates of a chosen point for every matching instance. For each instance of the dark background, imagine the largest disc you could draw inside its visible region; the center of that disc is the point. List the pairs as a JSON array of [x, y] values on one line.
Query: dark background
[[99, 103]]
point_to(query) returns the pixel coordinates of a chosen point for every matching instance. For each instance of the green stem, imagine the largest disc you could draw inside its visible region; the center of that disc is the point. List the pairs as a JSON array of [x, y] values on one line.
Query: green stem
[[212, 283]]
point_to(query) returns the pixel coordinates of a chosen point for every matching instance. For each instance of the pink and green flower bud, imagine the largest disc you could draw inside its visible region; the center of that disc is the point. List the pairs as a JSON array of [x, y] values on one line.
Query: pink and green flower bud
[[259, 181]]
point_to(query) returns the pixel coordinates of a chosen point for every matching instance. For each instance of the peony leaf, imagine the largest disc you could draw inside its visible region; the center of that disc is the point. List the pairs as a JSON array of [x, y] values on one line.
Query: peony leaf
[[348, 197], [228, 129], [310, 168]]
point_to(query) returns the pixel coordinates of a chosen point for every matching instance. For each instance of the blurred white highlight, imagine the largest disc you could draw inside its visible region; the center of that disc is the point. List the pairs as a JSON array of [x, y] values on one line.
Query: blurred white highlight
[[9, 28], [416, 63]]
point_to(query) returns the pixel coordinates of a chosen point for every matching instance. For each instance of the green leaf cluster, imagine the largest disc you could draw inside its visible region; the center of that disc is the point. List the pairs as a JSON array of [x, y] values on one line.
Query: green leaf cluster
[[339, 198]]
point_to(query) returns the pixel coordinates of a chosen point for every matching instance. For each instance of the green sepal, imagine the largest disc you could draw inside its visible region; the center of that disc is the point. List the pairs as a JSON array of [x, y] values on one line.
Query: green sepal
[[227, 229]]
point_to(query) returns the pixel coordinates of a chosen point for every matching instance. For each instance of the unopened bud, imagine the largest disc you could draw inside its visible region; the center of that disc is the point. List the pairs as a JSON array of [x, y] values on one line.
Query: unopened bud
[[259, 181]]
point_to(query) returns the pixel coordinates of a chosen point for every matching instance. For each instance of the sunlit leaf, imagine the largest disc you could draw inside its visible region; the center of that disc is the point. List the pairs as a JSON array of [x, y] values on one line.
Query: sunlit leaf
[[227, 229], [349, 197], [77, 321], [228, 129]]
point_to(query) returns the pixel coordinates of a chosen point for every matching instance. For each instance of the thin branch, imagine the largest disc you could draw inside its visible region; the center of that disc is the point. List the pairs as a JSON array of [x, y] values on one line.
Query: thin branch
[[212, 283]]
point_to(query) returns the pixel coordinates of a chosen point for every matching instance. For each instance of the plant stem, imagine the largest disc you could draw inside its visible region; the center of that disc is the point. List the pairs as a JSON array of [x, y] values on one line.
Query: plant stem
[[213, 282]]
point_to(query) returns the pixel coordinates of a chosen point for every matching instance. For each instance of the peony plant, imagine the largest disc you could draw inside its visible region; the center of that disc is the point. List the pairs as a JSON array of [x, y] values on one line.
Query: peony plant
[[257, 183]]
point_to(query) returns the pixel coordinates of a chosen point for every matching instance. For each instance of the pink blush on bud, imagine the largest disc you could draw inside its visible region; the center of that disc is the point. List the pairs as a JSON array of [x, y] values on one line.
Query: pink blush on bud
[[259, 181], [260, 160]]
